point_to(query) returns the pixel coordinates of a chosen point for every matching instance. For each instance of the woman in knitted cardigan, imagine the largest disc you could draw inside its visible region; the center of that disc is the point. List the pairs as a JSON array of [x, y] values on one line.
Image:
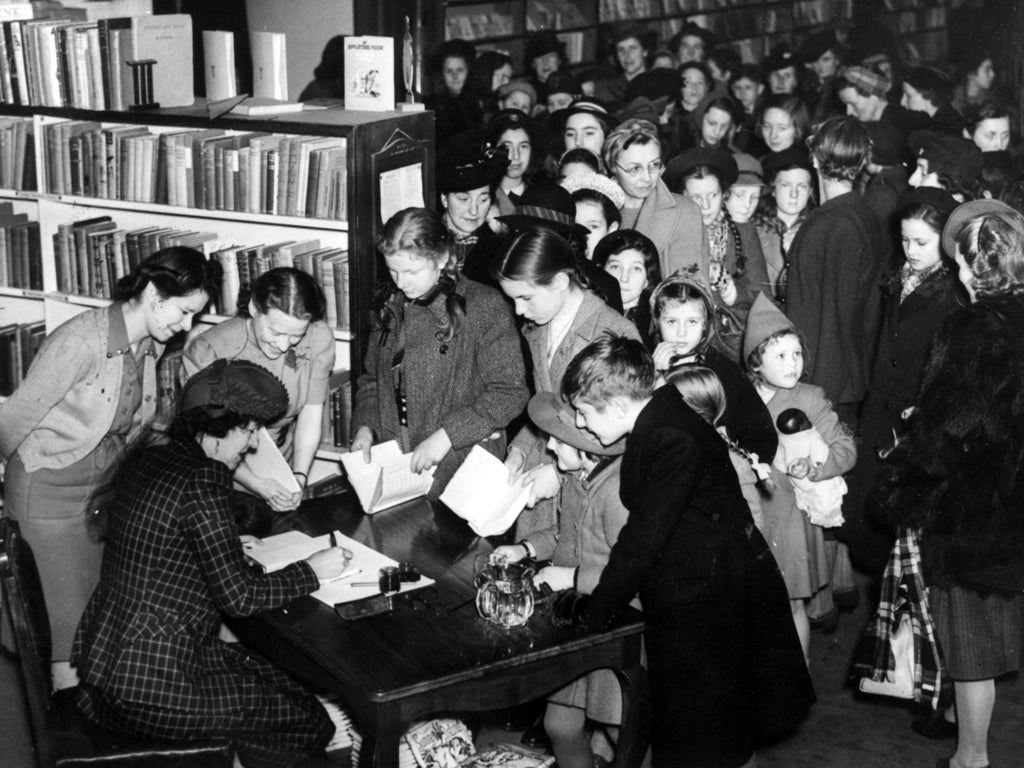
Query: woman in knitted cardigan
[[956, 475]]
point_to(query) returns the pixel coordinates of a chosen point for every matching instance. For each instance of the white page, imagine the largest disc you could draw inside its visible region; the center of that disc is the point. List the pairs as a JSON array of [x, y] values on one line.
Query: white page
[[387, 480], [268, 462], [480, 494], [367, 562]]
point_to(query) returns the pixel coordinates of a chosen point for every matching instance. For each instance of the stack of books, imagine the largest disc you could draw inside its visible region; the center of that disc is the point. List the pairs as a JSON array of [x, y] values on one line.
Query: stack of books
[[203, 168]]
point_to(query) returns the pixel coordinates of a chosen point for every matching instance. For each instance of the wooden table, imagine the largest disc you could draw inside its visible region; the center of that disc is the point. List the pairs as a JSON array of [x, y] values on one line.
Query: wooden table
[[396, 668]]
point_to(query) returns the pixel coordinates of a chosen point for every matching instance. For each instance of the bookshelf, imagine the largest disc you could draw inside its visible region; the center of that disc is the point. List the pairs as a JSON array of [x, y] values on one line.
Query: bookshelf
[[380, 146]]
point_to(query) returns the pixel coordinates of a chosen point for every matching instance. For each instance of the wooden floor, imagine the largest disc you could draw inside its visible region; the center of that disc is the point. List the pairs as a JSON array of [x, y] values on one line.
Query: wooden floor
[[844, 729]]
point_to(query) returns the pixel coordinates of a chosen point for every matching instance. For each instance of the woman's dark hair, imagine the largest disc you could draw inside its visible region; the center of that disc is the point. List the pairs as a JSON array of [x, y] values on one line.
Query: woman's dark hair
[[970, 59], [481, 77], [841, 146], [421, 232], [612, 215], [581, 155], [174, 271], [289, 290], [752, 72], [701, 67], [621, 240], [703, 172], [794, 107], [929, 214], [538, 255], [726, 58], [986, 110], [203, 421]]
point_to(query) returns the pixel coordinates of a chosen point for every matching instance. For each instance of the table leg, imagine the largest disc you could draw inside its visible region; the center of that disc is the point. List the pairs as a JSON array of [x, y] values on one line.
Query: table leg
[[380, 748], [636, 716]]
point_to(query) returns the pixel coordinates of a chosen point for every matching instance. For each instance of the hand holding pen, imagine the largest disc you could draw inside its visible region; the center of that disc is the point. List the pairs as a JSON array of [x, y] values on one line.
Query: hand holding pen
[[330, 563]]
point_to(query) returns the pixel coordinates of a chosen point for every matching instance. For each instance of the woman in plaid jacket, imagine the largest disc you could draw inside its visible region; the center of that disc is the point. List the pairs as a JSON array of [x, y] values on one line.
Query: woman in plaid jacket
[[147, 649]]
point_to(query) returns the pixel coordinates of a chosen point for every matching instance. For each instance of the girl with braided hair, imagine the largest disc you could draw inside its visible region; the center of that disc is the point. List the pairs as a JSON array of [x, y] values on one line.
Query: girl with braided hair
[[89, 396], [443, 368]]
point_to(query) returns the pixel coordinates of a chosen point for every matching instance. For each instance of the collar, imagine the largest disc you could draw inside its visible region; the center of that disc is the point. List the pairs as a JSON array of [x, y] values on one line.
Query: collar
[[117, 334]]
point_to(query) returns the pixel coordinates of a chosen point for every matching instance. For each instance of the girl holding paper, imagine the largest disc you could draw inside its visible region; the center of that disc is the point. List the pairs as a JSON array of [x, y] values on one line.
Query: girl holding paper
[[443, 366], [280, 326]]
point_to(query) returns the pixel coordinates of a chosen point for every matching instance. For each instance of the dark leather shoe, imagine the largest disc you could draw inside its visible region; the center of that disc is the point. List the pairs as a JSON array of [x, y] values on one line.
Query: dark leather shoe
[[535, 737], [935, 726]]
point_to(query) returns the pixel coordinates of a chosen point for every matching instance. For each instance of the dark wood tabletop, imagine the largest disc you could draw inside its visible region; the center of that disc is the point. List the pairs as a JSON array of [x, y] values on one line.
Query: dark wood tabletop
[[432, 653]]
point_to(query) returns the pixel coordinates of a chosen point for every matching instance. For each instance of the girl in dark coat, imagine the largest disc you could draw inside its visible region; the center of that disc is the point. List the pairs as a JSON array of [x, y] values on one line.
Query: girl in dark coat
[[956, 475], [443, 367], [916, 299]]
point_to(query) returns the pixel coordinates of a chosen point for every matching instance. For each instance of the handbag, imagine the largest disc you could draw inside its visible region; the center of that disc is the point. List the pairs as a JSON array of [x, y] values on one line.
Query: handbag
[[899, 681]]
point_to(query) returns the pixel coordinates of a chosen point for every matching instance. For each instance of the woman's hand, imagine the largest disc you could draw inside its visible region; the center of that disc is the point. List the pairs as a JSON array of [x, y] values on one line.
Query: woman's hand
[[431, 451], [329, 563], [664, 354], [514, 461], [512, 552], [278, 497], [555, 576], [362, 441], [546, 483]]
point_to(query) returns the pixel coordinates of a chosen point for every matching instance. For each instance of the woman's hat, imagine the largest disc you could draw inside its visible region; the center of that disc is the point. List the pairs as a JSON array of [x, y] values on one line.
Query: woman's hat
[[597, 182], [815, 46], [543, 42], [939, 199], [463, 49], [518, 85], [947, 155], [238, 386], [563, 82], [545, 204], [464, 164], [765, 320], [553, 415], [508, 119], [749, 172], [780, 57], [587, 106], [964, 213], [718, 159], [928, 79], [867, 80]]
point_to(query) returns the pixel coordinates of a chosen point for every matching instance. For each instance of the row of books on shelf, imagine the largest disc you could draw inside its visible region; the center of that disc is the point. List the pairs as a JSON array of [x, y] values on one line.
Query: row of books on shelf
[[17, 154], [91, 255], [252, 172], [63, 60], [19, 343], [337, 418], [21, 261]]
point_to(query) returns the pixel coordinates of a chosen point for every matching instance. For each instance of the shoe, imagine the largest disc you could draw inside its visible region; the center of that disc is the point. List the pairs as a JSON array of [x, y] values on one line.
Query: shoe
[[535, 737], [935, 726], [847, 600], [827, 623]]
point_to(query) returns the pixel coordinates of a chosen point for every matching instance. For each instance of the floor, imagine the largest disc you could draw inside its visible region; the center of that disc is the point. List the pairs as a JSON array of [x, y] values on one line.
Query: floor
[[843, 730]]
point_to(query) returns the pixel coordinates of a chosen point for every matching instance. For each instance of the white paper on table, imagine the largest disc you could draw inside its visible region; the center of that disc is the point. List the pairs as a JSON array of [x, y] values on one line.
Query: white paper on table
[[480, 494], [283, 549], [388, 479], [267, 461]]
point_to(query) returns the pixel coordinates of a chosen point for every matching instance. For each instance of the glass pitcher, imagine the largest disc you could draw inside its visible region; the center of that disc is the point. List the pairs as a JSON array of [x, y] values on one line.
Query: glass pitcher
[[504, 591]]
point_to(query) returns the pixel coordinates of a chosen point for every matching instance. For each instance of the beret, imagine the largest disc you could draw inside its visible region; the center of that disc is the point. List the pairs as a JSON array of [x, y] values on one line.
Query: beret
[[238, 386]]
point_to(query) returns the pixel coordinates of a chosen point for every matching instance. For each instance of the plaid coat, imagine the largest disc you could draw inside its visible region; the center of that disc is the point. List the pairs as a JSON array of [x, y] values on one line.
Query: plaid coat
[[147, 648]]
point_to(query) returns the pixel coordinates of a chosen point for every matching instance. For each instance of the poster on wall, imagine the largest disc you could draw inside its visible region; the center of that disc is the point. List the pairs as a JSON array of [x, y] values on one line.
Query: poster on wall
[[370, 73]]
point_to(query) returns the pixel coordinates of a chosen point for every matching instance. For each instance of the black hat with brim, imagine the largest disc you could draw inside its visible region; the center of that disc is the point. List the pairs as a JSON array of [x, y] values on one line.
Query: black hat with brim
[[544, 204], [549, 412], [466, 164]]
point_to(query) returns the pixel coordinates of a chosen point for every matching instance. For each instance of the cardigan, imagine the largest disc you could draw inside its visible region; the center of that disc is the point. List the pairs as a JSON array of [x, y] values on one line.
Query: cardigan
[[66, 403]]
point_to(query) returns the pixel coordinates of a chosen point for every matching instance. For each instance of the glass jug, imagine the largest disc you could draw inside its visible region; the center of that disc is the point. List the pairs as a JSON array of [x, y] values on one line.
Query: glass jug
[[504, 591]]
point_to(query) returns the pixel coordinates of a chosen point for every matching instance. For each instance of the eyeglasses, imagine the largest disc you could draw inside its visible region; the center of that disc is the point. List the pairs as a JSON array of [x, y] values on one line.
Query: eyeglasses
[[653, 169]]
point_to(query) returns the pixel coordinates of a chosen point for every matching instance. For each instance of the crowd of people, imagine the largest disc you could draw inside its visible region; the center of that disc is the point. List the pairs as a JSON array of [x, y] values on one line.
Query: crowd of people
[[744, 328]]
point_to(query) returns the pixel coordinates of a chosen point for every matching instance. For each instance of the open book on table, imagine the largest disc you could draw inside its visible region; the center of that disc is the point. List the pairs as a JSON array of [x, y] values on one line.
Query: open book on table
[[276, 552], [480, 494], [388, 479]]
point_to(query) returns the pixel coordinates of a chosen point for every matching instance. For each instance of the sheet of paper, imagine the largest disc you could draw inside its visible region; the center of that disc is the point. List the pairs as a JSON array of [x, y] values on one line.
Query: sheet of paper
[[267, 461], [480, 494], [401, 188], [387, 480], [368, 562]]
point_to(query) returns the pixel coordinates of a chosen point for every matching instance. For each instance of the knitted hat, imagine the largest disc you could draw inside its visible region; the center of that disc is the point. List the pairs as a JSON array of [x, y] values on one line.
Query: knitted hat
[[928, 79], [549, 412], [717, 159], [518, 85], [749, 171], [598, 182], [543, 42], [951, 156], [868, 81], [964, 213], [238, 386], [780, 57], [544, 204], [765, 319]]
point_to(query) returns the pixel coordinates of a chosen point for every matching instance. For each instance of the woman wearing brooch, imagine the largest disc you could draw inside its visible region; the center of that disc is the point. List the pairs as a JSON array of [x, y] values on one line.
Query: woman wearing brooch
[[280, 326]]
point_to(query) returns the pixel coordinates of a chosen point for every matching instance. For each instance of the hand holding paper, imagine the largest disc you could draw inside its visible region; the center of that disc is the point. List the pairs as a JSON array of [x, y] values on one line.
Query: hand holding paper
[[480, 493]]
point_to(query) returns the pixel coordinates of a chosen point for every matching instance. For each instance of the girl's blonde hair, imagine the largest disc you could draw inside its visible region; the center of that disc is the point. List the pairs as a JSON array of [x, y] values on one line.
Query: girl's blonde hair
[[701, 390]]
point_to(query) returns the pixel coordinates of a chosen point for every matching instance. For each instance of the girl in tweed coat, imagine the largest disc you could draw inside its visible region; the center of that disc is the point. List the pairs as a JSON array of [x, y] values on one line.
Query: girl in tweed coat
[[147, 649], [443, 366]]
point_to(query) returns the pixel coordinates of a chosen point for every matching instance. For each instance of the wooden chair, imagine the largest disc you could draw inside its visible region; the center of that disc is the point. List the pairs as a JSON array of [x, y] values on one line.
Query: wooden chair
[[62, 735]]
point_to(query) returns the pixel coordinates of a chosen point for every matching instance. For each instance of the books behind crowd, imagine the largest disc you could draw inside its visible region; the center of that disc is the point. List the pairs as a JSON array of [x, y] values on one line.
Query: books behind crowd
[[337, 411], [17, 154], [480, 494], [91, 255], [66, 61], [19, 343], [21, 259], [388, 480], [251, 172]]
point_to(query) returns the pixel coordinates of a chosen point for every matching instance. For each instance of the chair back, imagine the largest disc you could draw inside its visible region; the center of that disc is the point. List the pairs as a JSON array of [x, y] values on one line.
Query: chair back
[[26, 608]]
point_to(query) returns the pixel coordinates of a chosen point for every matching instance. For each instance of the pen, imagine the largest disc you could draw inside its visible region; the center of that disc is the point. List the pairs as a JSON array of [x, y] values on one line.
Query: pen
[[363, 584]]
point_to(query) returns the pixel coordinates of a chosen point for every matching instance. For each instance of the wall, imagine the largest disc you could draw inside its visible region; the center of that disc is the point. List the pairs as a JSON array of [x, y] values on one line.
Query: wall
[[309, 24]]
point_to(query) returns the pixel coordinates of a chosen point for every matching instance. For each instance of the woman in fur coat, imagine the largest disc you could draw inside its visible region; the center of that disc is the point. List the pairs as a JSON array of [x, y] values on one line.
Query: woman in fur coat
[[955, 477]]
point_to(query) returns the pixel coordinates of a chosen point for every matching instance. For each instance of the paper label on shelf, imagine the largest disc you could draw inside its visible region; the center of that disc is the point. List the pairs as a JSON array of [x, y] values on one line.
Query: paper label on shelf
[[399, 189]]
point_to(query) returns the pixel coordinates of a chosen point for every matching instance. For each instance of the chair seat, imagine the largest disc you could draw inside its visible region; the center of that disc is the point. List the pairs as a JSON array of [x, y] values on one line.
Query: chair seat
[[77, 741]]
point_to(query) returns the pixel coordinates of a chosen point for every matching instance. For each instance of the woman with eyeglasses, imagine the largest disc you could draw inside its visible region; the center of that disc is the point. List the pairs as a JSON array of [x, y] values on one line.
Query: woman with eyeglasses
[[632, 153]]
